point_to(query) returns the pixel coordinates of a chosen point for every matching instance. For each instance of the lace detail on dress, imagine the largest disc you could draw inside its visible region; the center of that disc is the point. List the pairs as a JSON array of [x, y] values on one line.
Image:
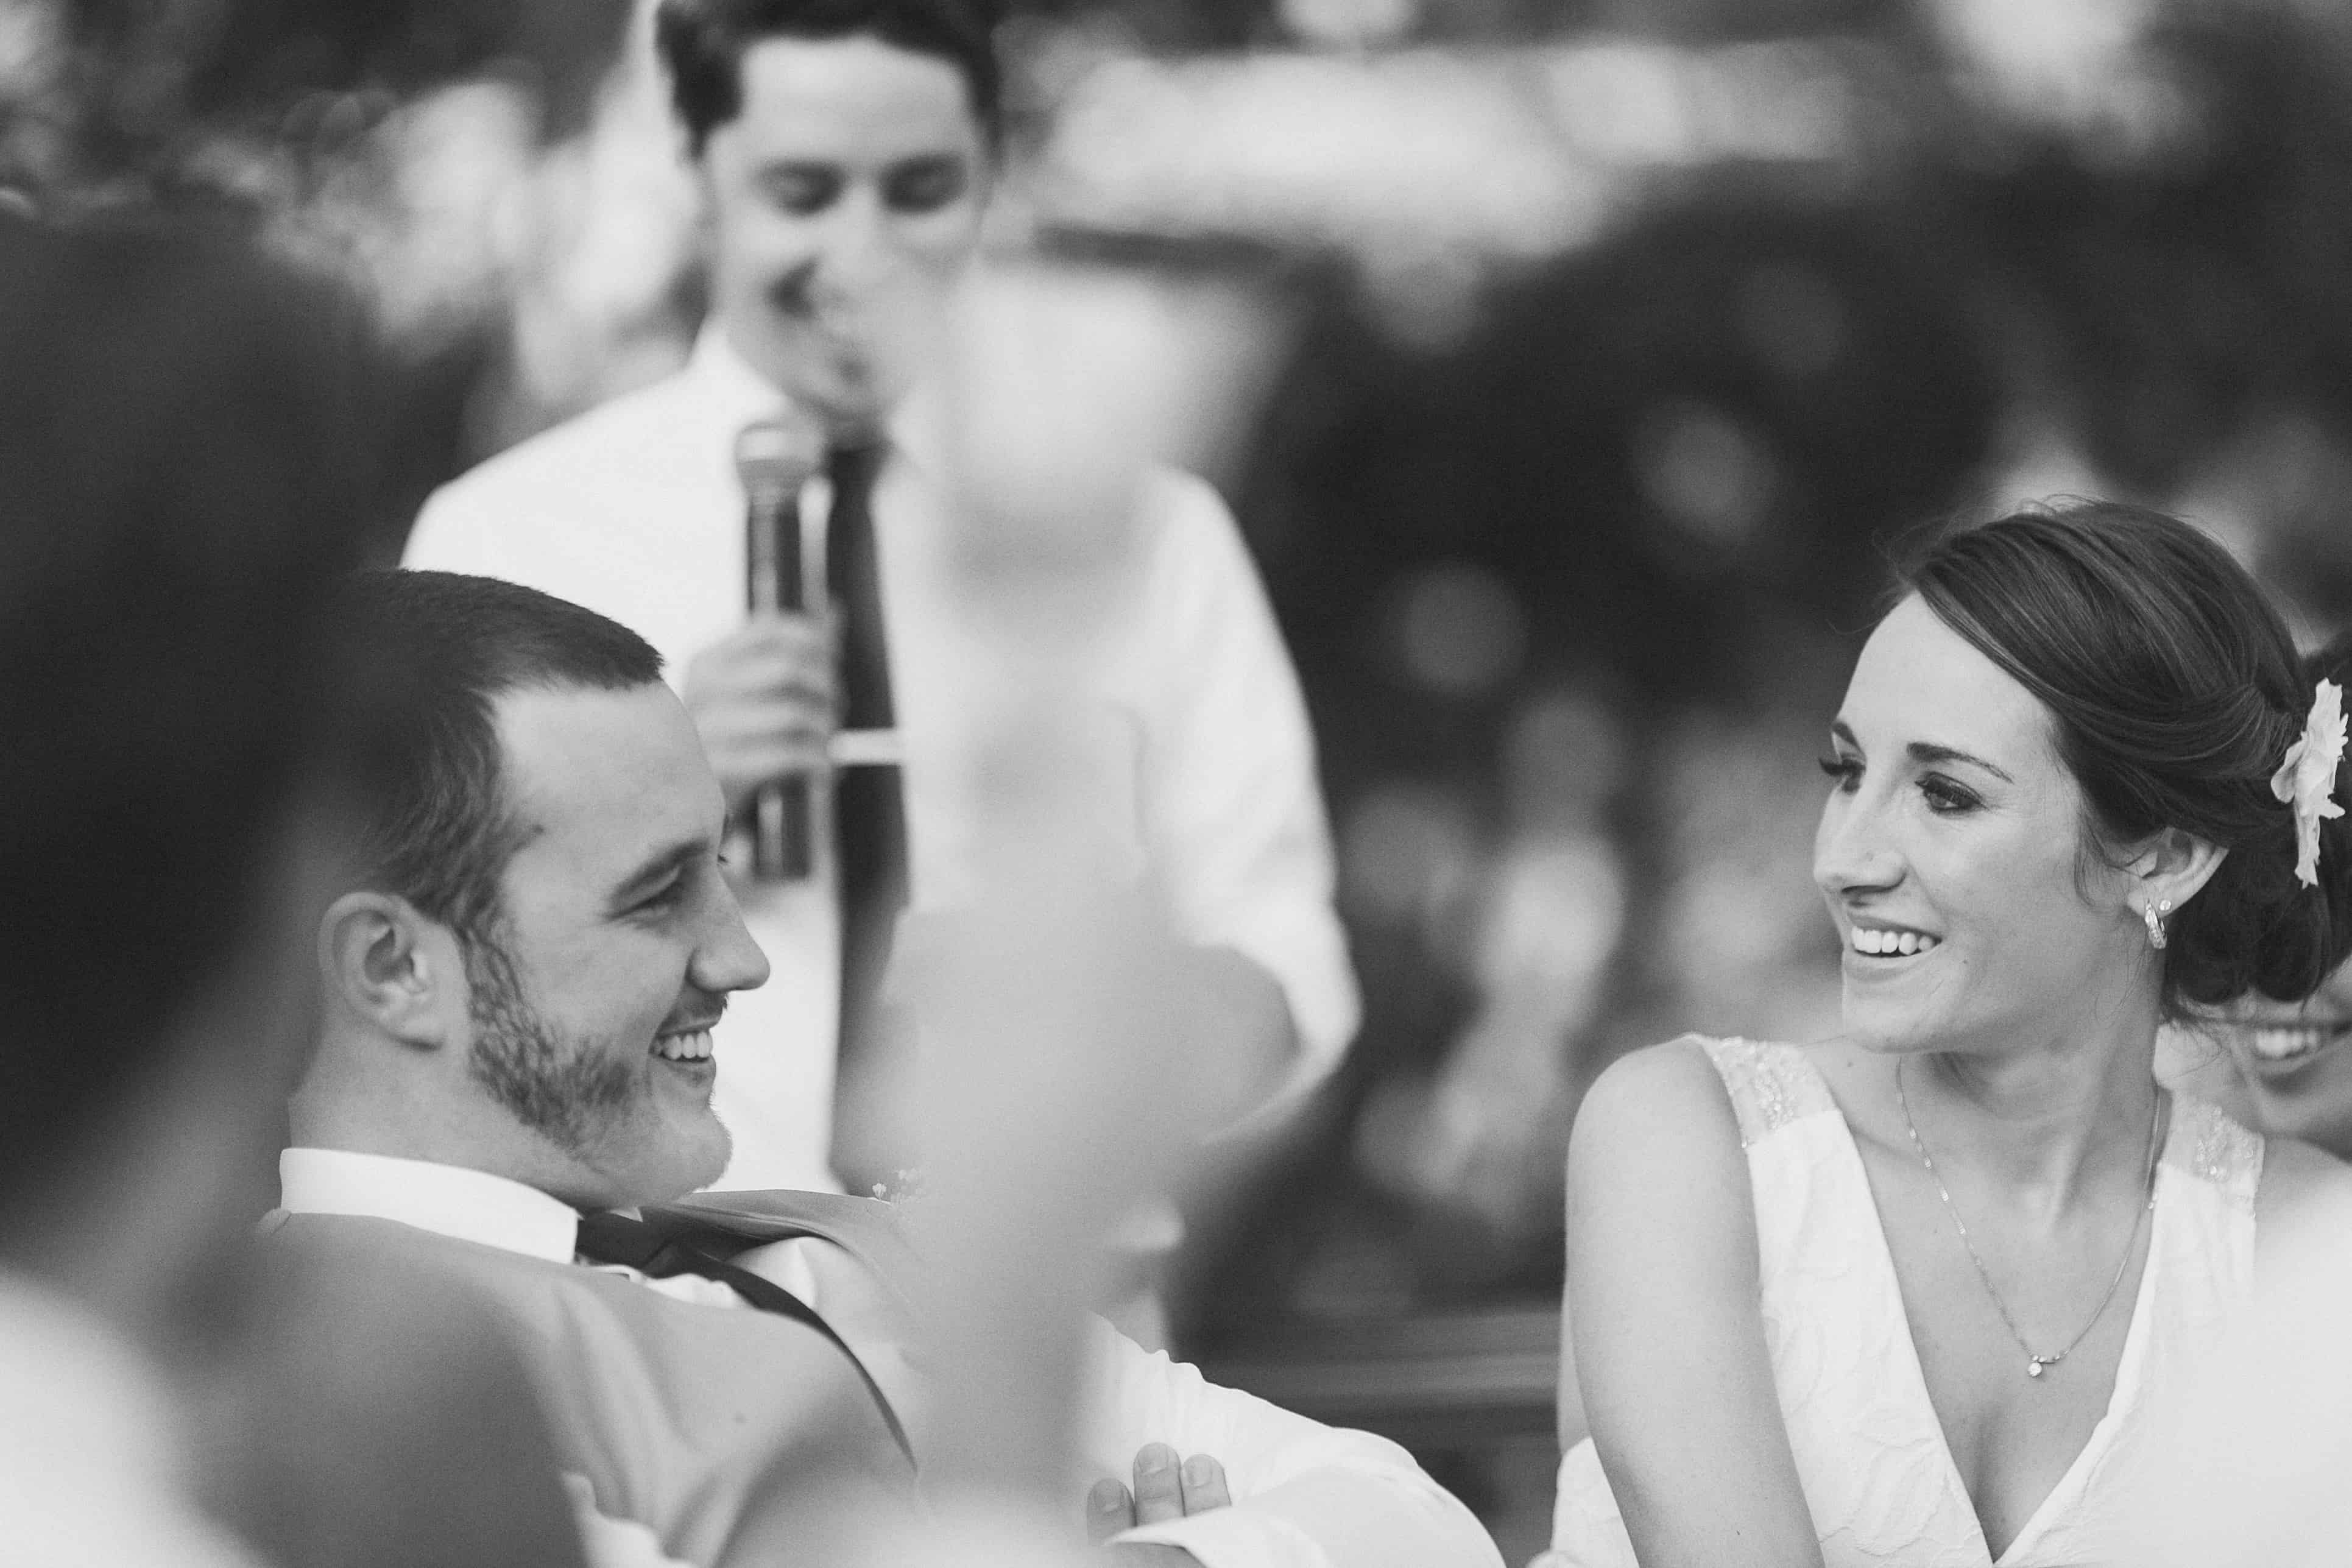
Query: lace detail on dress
[[1771, 1086], [2206, 1144]]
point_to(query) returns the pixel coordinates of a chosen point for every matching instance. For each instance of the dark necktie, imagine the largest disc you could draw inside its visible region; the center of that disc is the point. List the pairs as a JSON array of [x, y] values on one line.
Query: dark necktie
[[658, 1254], [869, 820]]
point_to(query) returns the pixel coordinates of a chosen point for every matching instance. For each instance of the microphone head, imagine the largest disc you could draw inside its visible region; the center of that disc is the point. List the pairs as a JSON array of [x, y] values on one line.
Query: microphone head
[[778, 453]]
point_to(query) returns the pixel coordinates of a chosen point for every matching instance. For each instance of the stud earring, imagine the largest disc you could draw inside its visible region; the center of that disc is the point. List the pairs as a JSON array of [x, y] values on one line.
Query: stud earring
[[2154, 915]]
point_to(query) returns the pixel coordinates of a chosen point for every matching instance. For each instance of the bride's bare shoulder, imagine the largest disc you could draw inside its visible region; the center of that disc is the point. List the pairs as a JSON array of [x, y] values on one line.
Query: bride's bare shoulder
[[1675, 1079], [1653, 1109], [1658, 1175]]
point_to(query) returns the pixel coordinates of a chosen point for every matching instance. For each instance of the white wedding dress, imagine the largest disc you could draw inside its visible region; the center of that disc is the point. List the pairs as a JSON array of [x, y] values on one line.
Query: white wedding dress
[[1870, 1455]]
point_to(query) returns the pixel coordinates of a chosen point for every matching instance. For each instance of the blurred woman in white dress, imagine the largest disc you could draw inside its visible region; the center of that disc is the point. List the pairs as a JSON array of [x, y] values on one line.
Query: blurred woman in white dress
[[2250, 1473], [1906, 1297]]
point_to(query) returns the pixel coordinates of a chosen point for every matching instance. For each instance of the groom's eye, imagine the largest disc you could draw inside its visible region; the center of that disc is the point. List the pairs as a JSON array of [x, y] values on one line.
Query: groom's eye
[[665, 897]]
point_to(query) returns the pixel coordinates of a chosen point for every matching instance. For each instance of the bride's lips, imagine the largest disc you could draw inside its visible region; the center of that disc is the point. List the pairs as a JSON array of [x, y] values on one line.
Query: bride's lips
[[1881, 944]]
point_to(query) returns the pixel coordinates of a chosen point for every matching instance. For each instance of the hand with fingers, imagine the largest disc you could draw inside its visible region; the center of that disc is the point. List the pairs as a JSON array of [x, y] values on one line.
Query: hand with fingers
[[762, 699], [1164, 1489]]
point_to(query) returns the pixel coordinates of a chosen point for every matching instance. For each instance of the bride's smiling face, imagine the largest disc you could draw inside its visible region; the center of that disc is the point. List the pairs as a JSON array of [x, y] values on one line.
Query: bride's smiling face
[[1949, 852]]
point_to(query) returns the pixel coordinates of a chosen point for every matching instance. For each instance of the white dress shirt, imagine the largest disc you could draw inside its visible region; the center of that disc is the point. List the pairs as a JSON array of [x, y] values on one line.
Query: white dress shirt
[[633, 509], [1305, 1495]]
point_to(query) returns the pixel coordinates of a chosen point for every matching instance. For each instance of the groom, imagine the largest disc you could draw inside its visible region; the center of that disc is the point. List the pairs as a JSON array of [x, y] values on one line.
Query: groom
[[521, 979]]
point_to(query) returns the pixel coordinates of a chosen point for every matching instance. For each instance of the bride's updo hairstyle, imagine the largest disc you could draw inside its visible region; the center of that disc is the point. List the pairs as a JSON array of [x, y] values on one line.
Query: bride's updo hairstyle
[[2175, 691]]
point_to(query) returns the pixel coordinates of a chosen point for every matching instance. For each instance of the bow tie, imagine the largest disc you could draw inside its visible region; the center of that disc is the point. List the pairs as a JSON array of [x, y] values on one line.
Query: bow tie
[[662, 1255]]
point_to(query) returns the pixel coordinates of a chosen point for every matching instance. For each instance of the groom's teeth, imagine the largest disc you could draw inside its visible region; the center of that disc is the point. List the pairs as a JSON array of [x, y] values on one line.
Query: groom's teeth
[[693, 1047]]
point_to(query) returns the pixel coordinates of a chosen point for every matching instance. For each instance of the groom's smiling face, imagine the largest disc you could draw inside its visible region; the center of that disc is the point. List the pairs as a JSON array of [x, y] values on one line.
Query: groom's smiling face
[[616, 945]]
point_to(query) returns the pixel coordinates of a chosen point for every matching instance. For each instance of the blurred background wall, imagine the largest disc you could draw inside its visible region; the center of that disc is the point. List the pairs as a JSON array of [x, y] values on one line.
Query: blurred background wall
[[1576, 368]]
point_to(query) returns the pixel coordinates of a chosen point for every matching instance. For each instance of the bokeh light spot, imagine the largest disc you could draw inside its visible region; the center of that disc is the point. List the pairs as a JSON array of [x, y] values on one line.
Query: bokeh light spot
[[1708, 474], [1460, 630], [1790, 317], [1405, 851]]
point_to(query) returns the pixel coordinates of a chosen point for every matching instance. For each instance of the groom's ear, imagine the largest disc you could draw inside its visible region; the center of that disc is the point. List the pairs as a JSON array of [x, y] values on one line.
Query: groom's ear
[[394, 969]]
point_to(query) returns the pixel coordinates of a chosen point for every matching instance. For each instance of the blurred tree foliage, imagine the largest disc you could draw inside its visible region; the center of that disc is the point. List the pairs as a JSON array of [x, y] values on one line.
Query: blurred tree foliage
[[123, 100], [2182, 292]]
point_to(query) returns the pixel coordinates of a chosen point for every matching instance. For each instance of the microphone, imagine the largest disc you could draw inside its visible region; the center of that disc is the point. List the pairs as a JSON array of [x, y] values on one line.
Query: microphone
[[774, 458]]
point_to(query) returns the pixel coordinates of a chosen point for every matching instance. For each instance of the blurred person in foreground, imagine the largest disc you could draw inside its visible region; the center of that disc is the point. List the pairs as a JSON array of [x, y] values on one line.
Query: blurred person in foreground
[[524, 985], [1908, 1296], [2280, 1066], [183, 473], [2252, 1471], [845, 152]]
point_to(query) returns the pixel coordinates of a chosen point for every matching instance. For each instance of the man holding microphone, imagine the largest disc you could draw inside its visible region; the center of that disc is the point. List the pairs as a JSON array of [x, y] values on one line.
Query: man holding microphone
[[845, 150]]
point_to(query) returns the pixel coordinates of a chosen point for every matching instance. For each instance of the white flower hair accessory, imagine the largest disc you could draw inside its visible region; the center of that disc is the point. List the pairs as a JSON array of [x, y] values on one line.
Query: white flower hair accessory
[[2306, 780]]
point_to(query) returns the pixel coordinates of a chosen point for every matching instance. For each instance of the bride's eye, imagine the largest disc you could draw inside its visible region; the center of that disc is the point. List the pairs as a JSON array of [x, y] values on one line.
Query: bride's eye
[[1946, 798], [1845, 771]]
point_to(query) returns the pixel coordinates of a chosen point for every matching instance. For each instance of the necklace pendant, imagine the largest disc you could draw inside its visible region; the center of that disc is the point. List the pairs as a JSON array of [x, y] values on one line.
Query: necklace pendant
[[2033, 1366]]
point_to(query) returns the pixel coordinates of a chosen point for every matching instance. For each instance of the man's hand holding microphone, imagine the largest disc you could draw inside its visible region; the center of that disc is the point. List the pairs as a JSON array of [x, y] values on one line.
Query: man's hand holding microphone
[[764, 701], [764, 698]]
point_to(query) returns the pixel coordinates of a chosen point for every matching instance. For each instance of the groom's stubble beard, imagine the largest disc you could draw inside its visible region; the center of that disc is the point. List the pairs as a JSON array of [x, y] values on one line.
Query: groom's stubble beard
[[568, 1091]]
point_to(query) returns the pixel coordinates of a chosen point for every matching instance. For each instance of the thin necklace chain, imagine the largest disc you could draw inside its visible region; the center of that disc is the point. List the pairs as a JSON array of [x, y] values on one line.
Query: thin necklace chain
[[2034, 1361]]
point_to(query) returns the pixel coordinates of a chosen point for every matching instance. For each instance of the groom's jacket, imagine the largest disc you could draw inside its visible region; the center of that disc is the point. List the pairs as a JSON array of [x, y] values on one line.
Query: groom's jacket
[[723, 1431]]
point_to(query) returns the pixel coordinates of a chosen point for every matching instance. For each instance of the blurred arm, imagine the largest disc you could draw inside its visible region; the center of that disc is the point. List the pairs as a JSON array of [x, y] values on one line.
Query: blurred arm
[[1237, 820], [1305, 1495]]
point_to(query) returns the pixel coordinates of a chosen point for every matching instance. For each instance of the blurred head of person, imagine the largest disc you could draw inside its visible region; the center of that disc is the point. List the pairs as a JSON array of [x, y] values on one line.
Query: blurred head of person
[[2065, 730], [523, 968], [845, 149], [2289, 1053], [184, 433]]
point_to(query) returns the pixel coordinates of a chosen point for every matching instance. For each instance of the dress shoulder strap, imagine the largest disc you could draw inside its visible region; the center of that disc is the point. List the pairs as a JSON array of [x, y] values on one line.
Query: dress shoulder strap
[[2207, 1143], [1771, 1086]]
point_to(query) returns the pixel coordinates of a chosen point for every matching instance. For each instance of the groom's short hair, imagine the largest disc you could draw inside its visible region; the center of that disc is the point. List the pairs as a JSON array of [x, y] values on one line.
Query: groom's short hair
[[443, 647]]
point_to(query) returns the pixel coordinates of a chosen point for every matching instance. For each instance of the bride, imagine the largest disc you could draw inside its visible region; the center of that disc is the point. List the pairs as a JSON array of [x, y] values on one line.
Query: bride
[[1904, 1297]]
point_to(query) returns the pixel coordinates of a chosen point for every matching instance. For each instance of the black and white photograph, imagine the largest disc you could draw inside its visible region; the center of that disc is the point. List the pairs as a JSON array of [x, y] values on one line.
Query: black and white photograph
[[1175, 783]]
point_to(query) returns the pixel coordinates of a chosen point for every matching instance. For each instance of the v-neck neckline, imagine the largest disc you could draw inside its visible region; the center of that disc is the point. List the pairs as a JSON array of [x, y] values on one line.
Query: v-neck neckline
[[2121, 1397]]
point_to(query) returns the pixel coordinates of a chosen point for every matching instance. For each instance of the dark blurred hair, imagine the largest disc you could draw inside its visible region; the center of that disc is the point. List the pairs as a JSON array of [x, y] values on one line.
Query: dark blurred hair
[[441, 649], [184, 471], [2175, 691], [702, 42]]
